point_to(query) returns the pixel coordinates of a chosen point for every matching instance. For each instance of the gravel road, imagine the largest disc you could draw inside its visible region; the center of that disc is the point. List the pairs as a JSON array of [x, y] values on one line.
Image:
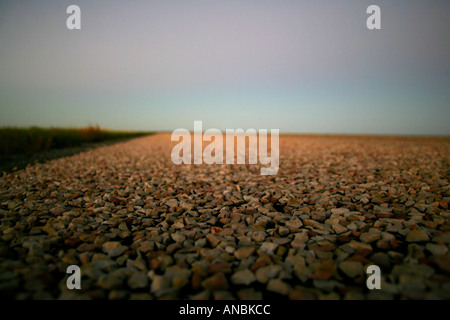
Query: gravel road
[[141, 227]]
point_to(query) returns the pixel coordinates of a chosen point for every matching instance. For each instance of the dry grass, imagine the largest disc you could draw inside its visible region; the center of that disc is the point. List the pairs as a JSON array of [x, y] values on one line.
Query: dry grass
[[32, 140]]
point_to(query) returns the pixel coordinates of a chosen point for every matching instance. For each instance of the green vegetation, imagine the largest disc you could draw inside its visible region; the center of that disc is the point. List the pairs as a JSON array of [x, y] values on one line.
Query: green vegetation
[[32, 140]]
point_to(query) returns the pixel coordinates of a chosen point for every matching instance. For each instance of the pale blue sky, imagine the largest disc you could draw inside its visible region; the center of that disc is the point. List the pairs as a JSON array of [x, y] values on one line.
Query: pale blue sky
[[300, 66]]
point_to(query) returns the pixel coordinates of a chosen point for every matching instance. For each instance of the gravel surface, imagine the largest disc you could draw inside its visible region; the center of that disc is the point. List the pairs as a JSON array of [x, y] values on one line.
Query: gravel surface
[[141, 227]]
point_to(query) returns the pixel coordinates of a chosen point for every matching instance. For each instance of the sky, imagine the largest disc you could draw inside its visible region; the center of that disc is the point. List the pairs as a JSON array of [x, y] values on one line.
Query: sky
[[298, 66]]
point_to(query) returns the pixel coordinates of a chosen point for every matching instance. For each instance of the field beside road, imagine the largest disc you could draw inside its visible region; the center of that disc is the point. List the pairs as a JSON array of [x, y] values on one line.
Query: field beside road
[[22, 146], [141, 227]]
